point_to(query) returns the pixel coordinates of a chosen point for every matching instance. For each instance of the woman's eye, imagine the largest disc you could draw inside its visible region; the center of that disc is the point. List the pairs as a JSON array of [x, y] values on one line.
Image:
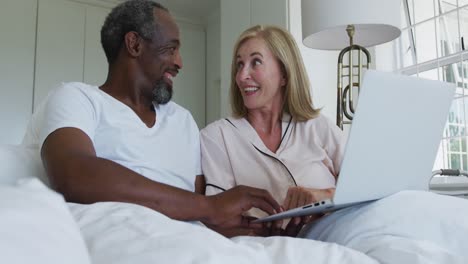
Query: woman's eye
[[239, 65], [257, 62]]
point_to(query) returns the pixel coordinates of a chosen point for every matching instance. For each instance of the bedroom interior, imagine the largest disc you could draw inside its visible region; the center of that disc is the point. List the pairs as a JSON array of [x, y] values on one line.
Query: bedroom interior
[[46, 42]]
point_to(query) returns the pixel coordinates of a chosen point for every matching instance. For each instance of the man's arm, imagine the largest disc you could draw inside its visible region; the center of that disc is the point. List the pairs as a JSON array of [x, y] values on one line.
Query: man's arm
[[200, 184], [75, 171]]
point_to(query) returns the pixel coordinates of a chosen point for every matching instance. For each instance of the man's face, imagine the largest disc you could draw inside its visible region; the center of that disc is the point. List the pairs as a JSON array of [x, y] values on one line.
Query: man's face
[[162, 60]]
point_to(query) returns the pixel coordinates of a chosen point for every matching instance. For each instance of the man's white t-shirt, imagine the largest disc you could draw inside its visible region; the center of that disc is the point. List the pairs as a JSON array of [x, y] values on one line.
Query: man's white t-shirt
[[168, 152]]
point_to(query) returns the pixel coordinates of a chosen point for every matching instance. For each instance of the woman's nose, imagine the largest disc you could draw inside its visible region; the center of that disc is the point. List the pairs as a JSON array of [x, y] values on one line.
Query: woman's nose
[[244, 73]]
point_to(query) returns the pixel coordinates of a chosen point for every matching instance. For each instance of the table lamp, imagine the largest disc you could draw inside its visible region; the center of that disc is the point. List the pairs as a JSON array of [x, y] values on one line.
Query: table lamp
[[349, 26]]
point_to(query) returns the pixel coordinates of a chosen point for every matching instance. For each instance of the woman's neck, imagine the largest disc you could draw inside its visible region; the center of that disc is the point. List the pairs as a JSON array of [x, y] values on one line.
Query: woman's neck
[[265, 122], [268, 127]]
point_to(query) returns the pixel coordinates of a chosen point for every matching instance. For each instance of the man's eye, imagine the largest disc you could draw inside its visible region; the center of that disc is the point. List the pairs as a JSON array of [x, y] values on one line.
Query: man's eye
[[171, 50]]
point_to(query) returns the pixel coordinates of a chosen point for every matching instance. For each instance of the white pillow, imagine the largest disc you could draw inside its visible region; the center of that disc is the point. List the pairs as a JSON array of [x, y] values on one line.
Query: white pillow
[[37, 227], [18, 162]]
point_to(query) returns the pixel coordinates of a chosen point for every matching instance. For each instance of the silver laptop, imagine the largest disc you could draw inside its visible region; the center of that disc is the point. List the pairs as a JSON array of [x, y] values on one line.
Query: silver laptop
[[392, 143]]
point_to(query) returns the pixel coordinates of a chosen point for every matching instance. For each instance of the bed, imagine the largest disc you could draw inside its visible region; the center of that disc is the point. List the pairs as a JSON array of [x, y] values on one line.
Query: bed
[[38, 226]]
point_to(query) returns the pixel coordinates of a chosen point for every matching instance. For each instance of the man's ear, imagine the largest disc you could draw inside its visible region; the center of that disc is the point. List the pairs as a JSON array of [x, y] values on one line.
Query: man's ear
[[133, 43]]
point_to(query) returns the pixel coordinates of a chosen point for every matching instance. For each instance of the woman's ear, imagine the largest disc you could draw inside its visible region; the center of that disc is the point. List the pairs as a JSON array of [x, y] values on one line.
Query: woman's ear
[[133, 43], [284, 80], [284, 76]]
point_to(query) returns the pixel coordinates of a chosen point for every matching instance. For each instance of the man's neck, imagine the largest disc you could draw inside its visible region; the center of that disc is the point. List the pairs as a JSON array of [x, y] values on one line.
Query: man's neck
[[127, 88]]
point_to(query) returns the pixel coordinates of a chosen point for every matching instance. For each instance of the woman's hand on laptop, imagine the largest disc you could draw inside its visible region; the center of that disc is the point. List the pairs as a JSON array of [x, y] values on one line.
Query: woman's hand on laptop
[[300, 196]]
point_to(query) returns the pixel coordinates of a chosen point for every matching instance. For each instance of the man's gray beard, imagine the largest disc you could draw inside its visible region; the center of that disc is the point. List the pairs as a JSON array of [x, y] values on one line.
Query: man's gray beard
[[162, 94]]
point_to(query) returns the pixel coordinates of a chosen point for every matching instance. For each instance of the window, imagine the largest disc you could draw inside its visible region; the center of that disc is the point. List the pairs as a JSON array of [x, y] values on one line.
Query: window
[[434, 45]]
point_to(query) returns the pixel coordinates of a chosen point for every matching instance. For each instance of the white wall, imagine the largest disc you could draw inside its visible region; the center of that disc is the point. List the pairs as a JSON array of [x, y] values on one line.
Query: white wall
[[52, 42], [16, 67], [213, 70], [189, 85], [237, 16], [321, 66], [60, 45], [66, 47]]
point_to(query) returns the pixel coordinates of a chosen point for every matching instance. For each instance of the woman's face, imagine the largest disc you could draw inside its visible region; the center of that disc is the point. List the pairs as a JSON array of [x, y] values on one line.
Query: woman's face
[[259, 76]]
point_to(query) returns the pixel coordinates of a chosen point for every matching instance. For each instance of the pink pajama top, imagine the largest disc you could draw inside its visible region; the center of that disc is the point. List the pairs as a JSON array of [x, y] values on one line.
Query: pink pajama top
[[309, 155]]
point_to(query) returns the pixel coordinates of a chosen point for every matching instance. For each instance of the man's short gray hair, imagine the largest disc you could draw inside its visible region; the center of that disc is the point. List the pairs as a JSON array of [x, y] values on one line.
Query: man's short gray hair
[[132, 15]]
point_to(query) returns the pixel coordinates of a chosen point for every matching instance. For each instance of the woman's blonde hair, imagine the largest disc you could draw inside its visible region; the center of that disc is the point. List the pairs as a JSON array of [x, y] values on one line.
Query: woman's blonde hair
[[297, 98]]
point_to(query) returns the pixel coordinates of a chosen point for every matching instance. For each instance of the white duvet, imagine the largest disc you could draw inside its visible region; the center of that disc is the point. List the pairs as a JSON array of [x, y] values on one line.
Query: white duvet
[[410, 227], [127, 233], [37, 227]]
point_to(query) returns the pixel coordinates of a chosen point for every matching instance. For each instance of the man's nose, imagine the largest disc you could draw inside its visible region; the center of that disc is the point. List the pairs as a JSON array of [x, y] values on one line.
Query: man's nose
[[178, 60]]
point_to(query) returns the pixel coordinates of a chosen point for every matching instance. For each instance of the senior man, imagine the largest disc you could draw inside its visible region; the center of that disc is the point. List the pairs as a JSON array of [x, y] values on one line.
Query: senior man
[[125, 140]]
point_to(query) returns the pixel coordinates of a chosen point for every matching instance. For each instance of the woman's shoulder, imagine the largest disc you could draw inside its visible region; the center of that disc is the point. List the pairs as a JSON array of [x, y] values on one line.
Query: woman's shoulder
[[220, 125], [322, 126], [215, 124], [320, 121]]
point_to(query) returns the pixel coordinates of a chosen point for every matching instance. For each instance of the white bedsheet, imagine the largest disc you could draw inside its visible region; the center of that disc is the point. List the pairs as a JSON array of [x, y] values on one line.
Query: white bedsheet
[[37, 227], [126, 233], [410, 227]]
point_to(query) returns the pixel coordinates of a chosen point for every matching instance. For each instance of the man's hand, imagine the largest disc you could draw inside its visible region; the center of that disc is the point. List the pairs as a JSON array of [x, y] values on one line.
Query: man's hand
[[252, 230], [260, 229], [228, 208]]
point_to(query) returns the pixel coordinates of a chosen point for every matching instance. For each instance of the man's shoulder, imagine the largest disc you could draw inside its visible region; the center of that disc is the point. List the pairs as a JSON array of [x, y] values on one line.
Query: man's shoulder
[[72, 90], [174, 109], [79, 86], [67, 94]]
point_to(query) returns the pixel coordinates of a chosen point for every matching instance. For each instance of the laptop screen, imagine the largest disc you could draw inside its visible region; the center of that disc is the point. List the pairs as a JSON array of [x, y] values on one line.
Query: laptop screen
[[394, 136]]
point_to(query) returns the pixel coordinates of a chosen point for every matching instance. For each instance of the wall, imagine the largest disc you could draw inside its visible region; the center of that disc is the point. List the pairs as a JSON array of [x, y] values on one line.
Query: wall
[[237, 16], [321, 66], [59, 40], [55, 40], [189, 85], [67, 46], [213, 70], [16, 67]]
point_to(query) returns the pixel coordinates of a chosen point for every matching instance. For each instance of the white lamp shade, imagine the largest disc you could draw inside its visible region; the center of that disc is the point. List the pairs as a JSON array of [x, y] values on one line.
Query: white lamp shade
[[324, 22]]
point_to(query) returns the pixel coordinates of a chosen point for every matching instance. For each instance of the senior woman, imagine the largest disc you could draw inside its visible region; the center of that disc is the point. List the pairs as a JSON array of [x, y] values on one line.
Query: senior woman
[[275, 140]]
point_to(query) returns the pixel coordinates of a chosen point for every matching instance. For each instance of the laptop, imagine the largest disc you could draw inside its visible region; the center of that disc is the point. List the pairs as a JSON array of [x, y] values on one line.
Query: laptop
[[392, 144]]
